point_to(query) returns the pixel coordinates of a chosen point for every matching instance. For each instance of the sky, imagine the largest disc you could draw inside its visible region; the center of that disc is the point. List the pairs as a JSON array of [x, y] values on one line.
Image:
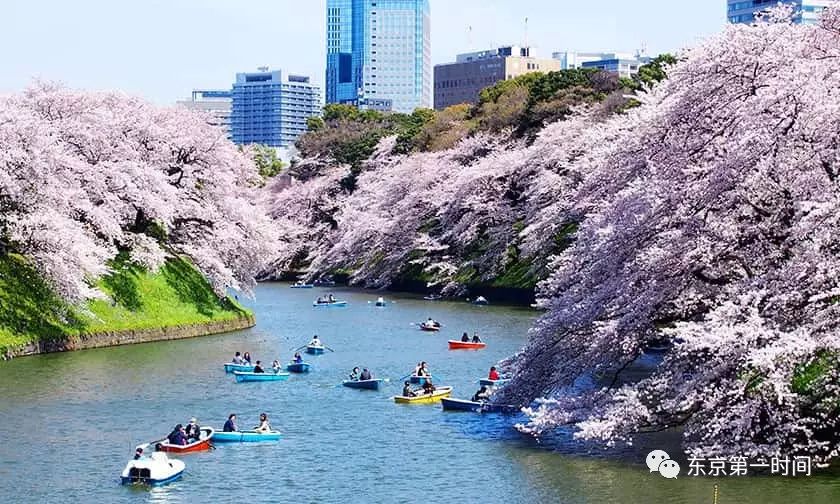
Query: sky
[[162, 49]]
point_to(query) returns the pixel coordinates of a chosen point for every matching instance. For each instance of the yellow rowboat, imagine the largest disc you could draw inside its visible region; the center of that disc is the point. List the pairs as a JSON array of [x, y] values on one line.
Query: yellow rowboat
[[422, 398]]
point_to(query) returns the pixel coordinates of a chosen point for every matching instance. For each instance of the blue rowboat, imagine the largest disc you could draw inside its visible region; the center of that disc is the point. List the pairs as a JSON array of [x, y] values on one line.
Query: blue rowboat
[[231, 367], [297, 367], [302, 286], [419, 379], [245, 436], [450, 404], [242, 376], [327, 305], [314, 350], [372, 384], [492, 383]]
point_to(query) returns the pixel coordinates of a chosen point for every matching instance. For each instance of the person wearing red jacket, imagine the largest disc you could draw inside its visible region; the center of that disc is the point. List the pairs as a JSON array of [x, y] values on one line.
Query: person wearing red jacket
[[494, 375]]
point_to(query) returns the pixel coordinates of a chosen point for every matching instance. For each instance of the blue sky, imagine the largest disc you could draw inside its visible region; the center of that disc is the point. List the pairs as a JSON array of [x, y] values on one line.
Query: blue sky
[[161, 49]]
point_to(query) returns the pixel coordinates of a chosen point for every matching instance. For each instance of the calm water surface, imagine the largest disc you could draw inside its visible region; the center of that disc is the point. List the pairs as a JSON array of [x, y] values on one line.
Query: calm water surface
[[69, 422]]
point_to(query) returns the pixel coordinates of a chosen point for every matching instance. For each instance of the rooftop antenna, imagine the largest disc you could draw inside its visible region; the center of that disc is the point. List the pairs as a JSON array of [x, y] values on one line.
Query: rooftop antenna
[[526, 35], [263, 69], [469, 38]]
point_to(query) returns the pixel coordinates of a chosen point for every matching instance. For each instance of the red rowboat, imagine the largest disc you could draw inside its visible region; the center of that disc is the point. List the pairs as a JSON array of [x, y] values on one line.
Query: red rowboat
[[465, 345], [202, 444]]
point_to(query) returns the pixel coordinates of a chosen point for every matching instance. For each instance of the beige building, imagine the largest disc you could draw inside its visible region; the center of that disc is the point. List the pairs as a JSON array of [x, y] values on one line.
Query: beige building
[[461, 81]]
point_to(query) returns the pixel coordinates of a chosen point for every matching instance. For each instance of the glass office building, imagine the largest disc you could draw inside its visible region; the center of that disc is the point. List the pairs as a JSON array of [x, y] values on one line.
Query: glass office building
[[379, 54], [744, 11], [271, 109]]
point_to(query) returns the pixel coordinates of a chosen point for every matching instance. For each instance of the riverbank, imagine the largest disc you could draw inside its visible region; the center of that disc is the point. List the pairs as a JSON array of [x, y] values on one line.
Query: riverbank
[[175, 302]]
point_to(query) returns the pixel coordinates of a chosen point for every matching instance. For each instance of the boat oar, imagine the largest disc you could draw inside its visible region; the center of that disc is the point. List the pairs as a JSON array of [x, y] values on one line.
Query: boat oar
[[328, 348], [300, 348]]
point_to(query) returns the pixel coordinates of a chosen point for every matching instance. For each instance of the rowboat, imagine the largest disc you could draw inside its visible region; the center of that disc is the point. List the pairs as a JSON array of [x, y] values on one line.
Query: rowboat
[[492, 383], [314, 349], [432, 297], [230, 367], [429, 327], [380, 302], [297, 367], [327, 305], [434, 397], [202, 444], [249, 436], [242, 376], [465, 345], [419, 379], [480, 300], [300, 285], [450, 404], [372, 384], [154, 470]]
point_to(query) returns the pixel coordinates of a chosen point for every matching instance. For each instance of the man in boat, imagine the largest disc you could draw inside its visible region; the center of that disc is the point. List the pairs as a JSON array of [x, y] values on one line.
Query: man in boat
[[177, 436], [264, 426], [475, 338], [192, 430], [298, 359], [237, 359], [331, 298], [258, 367], [407, 391], [494, 375], [465, 338], [230, 425], [315, 342], [428, 387], [365, 375], [482, 395], [354, 375]]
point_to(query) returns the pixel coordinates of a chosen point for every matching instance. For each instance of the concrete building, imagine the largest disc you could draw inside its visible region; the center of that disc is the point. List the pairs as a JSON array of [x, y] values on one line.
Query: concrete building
[[216, 102], [623, 64], [461, 81], [379, 54], [744, 11], [271, 109]]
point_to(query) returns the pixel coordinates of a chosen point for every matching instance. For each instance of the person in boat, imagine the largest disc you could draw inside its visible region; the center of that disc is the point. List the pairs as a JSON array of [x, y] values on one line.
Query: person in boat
[[247, 358], [417, 369], [298, 359], [428, 387], [424, 370], [482, 395], [230, 425], [237, 359], [178, 436], [258, 367], [331, 298], [475, 338], [494, 375], [320, 300], [138, 453], [275, 366], [193, 430], [315, 342], [407, 391], [354, 375], [465, 338], [264, 426], [365, 375]]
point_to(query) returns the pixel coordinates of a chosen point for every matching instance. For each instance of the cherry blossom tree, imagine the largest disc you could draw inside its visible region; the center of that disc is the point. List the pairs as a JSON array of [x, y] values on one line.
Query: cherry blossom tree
[[86, 175]]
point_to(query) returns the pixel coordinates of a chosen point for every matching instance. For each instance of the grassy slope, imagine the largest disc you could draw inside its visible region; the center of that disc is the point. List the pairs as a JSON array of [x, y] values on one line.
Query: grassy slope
[[175, 295]]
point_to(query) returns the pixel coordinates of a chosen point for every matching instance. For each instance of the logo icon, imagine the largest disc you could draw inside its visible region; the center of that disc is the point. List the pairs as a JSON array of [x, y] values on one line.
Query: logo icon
[[659, 461]]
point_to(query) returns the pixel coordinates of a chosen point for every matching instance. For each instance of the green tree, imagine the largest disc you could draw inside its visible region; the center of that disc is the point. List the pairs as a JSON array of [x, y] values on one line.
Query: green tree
[[267, 161]]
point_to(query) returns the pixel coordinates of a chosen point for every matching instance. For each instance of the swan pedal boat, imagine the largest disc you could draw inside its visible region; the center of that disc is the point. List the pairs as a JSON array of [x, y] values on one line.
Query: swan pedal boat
[[314, 349], [230, 367], [465, 345], [429, 327], [372, 384], [202, 444], [248, 436], [422, 398], [153, 470], [243, 376], [297, 367]]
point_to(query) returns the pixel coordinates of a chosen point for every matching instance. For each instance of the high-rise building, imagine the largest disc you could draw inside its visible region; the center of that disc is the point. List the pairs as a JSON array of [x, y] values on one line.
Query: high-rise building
[[623, 64], [461, 81], [270, 108], [216, 102], [379, 54], [807, 11]]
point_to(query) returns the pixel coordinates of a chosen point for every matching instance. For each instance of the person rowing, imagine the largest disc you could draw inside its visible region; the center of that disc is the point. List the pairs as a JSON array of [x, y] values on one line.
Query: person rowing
[[475, 338], [315, 342], [365, 375], [494, 375], [230, 425], [258, 367], [298, 359], [465, 338], [275, 366], [237, 359], [264, 426], [354, 375], [482, 395]]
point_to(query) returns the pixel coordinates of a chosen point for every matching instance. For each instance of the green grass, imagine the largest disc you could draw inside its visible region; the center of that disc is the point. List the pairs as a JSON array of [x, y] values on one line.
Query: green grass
[[176, 295]]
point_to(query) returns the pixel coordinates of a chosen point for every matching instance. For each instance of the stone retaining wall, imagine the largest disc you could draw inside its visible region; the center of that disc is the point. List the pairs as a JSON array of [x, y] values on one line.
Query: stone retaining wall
[[128, 337]]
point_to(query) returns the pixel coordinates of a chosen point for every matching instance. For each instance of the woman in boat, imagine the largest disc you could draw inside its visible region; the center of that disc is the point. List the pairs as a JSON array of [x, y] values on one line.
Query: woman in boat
[[177, 436], [465, 337], [258, 367], [476, 339], [354, 375], [482, 395], [298, 359], [275, 366], [331, 298], [407, 391], [494, 375], [424, 370], [193, 430], [230, 425], [428, 387], [264, 426], [247, 358], [237, 359], [365, 375]]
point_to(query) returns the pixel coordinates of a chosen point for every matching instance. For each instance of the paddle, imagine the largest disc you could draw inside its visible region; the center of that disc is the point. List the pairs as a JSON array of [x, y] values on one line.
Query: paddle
[[328, 348], [300, 348]]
